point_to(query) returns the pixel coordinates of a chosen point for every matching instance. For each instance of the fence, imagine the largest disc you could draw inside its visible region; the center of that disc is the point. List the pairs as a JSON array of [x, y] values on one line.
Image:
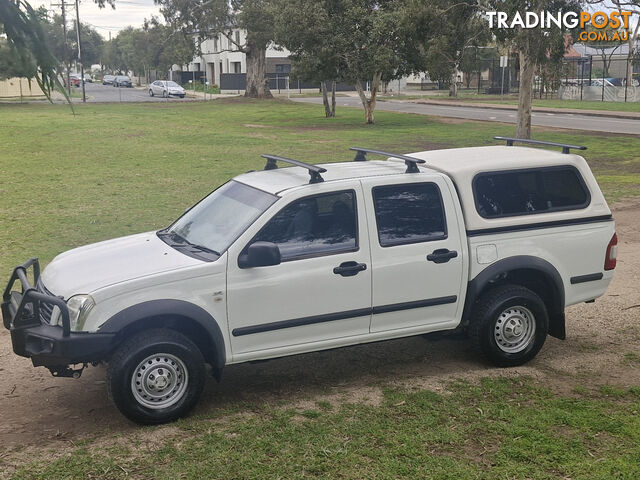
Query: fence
[[485, 76], [19, 88], [600, 78], [595, 78], [277, 82]]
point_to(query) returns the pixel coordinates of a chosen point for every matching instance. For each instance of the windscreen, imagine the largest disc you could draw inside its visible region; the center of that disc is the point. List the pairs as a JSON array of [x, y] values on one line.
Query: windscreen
[[219, 219]]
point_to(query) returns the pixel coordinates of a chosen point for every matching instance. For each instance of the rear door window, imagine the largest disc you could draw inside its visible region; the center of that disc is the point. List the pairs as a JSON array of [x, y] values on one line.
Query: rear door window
[[409, 213], [529, 191]]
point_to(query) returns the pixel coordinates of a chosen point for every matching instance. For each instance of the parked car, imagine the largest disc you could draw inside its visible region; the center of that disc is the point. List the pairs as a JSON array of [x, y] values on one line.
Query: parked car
[[122, 81], [166, 88], [74, 80], [108, 79], [490, 241], [87, 78], [597, 82]]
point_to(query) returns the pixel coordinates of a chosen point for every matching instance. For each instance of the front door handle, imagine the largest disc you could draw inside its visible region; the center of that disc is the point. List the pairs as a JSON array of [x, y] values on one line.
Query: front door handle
[[442, 255], [349, 269]]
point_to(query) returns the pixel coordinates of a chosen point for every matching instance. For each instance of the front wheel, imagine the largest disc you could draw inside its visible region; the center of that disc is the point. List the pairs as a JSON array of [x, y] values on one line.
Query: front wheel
[[509, 325], [150, 93], [156, 376]]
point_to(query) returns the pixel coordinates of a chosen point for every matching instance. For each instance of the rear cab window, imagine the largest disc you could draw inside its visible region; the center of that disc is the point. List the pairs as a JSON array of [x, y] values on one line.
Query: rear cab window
[[529, 191]]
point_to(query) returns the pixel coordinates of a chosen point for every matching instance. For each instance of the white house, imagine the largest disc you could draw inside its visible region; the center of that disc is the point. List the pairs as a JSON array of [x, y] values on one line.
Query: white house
[[218, 56]]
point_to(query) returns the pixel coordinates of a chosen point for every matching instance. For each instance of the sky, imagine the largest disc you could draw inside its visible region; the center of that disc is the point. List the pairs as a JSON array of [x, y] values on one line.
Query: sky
[[105, 20]]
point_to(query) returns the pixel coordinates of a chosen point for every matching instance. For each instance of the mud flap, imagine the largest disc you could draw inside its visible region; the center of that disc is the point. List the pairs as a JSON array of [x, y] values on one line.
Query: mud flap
[[557, 326]]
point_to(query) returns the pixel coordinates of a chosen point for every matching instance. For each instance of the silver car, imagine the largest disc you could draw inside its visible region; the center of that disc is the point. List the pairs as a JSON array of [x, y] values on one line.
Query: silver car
[[166, 88]]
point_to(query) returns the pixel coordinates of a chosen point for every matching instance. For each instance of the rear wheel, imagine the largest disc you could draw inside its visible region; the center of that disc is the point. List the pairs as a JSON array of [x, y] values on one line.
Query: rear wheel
[[509, 325], [156, 376]]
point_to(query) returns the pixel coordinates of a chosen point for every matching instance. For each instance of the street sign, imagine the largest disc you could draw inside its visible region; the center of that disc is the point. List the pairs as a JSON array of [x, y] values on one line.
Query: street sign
[[504, 60]]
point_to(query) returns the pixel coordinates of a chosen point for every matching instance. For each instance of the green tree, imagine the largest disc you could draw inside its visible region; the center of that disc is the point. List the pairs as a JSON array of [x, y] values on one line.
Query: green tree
[[67, 53], [22, 26], [219, 18], [25, 33], [445, 31], [165, 47], [92, 43], [154, 46], [313, 51], [535, 46], [356, 41], [14, 65], [475, 60]]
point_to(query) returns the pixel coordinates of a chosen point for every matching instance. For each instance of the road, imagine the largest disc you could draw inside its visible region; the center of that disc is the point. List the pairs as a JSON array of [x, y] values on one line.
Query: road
[[556, 120], [96, 92]]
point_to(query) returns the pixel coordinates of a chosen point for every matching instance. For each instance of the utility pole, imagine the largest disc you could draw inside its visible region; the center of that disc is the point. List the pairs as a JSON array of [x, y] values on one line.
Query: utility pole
[[66, 46], [84, 96]]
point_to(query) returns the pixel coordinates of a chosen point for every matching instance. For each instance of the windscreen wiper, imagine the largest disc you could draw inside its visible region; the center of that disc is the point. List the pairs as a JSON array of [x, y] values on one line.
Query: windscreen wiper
[[178, 240], [204, 249]]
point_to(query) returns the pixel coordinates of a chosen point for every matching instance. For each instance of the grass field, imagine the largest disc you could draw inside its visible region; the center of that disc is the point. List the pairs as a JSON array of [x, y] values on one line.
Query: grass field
[[113, 170], [499, 429]]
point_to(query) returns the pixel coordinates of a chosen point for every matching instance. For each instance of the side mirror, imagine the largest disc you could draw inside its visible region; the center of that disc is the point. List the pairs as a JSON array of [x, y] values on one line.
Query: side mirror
[[260, 254]]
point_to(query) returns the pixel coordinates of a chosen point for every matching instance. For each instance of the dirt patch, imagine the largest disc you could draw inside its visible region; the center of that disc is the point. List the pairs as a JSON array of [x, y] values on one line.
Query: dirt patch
[[39, 413]]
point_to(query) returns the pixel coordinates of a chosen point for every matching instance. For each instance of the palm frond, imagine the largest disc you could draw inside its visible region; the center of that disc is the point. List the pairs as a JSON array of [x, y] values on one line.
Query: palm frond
[[26, 37]]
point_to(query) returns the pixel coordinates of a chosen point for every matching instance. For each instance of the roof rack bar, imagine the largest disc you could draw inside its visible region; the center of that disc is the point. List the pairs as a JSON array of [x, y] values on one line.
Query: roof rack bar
[[314, 171], [410, 162], [565, 147]]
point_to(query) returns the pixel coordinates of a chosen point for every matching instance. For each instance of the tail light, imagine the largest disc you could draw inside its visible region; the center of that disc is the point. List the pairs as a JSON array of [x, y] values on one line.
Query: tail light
[[612, 253]]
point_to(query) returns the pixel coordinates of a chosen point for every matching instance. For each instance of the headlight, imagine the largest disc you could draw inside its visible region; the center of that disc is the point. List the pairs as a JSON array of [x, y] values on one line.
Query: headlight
[[79, 307]]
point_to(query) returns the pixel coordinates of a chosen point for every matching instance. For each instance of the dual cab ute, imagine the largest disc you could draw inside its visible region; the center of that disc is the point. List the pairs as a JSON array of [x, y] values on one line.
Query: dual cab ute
[[492, 241]]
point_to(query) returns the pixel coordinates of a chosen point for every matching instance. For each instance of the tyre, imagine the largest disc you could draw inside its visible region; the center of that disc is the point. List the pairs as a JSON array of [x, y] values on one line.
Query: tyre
[[181, 96], [150, 93], [509, 325], [164, 94], [156, 376]]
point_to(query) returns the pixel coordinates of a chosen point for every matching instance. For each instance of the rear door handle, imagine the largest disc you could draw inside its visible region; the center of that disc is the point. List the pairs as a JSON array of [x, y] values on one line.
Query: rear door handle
[[442, 255], [349, 269]]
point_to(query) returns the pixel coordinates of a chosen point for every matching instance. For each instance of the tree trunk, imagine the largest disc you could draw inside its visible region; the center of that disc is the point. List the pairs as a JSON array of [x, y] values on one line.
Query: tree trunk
[[257, 81], [527, 71], [333, 98], [631, 35], [453, 88], [369, 104], [325, 99]]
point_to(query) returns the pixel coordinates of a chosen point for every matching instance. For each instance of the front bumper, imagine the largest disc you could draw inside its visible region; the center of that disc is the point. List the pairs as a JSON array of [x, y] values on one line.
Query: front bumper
[[47, 345]]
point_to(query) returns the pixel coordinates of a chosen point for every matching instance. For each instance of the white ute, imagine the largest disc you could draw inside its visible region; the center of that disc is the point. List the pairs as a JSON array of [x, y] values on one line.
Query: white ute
[[491, 241]]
